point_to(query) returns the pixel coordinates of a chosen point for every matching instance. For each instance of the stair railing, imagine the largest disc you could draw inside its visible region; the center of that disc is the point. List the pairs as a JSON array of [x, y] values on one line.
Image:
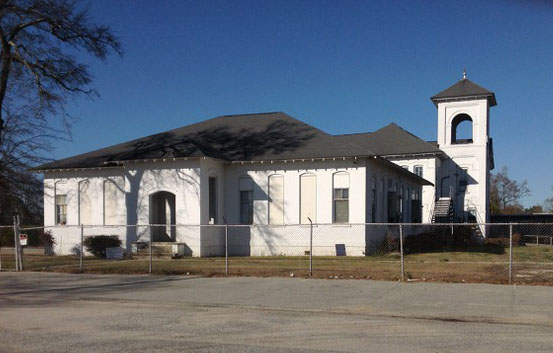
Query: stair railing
[[432, 209]]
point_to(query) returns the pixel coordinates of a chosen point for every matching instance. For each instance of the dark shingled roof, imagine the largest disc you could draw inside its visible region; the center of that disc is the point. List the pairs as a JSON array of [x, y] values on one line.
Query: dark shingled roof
[[390, 140], [464, 89], [249, 137]]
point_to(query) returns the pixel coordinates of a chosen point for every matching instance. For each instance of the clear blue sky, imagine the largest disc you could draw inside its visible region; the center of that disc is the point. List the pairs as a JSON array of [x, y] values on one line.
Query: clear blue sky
[[343, 66]]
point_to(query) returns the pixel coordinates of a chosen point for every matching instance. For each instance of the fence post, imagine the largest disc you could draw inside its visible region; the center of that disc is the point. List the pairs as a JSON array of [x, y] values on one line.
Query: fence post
[[150, 251], [401, 252], [15, 242], [17, 245], [310, 247], [510, 253], [226, 246], [81, 251]]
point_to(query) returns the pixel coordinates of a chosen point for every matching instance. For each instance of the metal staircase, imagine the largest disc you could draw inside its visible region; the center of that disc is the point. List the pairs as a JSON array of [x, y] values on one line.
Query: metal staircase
[[444, 211]]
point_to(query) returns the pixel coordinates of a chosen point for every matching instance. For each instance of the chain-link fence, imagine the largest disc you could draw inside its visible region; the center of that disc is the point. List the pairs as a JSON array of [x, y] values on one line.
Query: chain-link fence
[[491, 253]]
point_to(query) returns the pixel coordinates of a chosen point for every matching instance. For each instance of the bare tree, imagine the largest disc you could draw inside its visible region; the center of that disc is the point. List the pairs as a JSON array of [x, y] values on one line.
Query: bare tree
[[505, 193], [36, 37], [548, 204], [38, 74]]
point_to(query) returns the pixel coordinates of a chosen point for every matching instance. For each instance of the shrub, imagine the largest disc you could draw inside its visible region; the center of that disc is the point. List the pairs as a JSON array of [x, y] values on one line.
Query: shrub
[[47, 240], [97, 244], [504, 241], [6, 237], [390, 244]]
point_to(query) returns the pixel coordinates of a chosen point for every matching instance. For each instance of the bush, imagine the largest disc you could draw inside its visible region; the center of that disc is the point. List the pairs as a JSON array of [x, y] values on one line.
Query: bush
[[97, 244], [505, 241], [390, 244], [6, 237]]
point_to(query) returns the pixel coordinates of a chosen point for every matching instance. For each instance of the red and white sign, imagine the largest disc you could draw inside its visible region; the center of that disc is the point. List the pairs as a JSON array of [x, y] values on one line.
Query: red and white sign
[[23, 239]]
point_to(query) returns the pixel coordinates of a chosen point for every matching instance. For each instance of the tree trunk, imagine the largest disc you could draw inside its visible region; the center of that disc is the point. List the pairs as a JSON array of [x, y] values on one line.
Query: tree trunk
[[4, 74]]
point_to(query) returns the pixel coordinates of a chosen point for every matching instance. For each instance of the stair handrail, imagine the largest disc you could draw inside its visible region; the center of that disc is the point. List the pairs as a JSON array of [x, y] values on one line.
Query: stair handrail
[[477, 215], [432, 209]]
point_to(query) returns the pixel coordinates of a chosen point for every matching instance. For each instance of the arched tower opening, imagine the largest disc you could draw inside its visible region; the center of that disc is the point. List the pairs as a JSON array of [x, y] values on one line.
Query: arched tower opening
[[461, 129]]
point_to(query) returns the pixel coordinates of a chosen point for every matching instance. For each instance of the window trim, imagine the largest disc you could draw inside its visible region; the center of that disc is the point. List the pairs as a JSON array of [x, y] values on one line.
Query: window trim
[[304, 175], [216, 206], [421, 169], [338, 199], [335, 187], [250, 204], [57, 213]]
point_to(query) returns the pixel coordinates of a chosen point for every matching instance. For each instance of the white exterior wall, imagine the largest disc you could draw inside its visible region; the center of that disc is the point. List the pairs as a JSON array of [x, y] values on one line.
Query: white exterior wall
[[291, 173], [430, 169], [474, 156], [138, 181], [188, 181], [212, 237], [294, 239]]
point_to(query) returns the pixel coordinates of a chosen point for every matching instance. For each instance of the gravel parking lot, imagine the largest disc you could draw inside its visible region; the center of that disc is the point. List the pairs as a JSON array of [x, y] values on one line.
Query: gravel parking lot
[[48, 312]]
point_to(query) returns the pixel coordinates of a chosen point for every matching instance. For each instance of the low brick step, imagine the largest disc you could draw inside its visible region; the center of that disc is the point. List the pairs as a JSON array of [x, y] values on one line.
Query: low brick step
[[159, 249]]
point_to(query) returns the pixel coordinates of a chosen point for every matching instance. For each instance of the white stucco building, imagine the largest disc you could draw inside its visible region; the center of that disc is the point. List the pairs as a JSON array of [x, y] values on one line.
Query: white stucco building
[[267, 171]]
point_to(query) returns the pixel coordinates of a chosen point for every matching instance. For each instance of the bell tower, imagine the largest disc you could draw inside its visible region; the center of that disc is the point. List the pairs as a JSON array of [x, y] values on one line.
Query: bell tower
[[464, 136]]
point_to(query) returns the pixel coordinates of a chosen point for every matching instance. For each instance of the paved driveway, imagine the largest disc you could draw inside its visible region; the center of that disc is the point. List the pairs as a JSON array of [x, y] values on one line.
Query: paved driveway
[[41, 312]]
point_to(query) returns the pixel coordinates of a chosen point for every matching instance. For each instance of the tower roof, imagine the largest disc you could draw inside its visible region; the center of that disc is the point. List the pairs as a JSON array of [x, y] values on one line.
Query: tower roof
[[463, 90]]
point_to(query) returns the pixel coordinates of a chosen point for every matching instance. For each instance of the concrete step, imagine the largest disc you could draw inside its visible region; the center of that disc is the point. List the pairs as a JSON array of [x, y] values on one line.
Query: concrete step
[[159, 249]]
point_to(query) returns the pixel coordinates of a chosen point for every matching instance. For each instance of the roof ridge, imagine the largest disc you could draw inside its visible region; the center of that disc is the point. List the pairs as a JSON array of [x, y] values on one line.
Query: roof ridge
[[247, 114], [410, 133], [354, 133]]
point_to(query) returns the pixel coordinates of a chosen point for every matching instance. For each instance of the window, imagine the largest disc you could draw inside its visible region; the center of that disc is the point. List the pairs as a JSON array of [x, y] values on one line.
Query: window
[[341, 205], [383, 198], [341, 198], [407, 204], [373, 200], [276, 199], [401, 205], [246, 200], [416, 207], [405, 167], [308, 198], [61, 209], [463, 180], [418, 170], [212, 200]]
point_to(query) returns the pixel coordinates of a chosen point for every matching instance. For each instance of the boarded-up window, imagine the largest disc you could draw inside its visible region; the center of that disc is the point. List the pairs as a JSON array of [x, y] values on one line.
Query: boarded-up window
[[112, 200], [85, 203], [308, 198], [246, 200], [276, 199]]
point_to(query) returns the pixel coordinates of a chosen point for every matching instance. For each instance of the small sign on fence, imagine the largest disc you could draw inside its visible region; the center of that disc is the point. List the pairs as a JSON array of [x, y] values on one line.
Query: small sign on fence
[[23, 239], [114, 253]]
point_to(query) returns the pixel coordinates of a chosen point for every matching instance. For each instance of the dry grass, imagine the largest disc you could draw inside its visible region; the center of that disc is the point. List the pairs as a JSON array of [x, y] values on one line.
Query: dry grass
[[532, 265]]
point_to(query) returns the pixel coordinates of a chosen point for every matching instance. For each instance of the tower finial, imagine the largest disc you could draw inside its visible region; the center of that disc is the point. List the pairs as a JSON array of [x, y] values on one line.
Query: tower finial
[[465, 73]]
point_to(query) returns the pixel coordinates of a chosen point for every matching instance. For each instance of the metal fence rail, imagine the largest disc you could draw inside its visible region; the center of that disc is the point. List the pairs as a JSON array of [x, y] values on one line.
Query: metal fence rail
[[492, 253]]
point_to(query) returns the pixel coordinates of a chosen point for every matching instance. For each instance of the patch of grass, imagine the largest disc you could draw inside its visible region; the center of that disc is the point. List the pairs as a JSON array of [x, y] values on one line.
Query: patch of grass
[[532, 265]]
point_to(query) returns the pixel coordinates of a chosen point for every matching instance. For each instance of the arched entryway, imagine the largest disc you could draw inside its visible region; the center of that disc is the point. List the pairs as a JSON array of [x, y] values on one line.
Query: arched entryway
[[162, 214]]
